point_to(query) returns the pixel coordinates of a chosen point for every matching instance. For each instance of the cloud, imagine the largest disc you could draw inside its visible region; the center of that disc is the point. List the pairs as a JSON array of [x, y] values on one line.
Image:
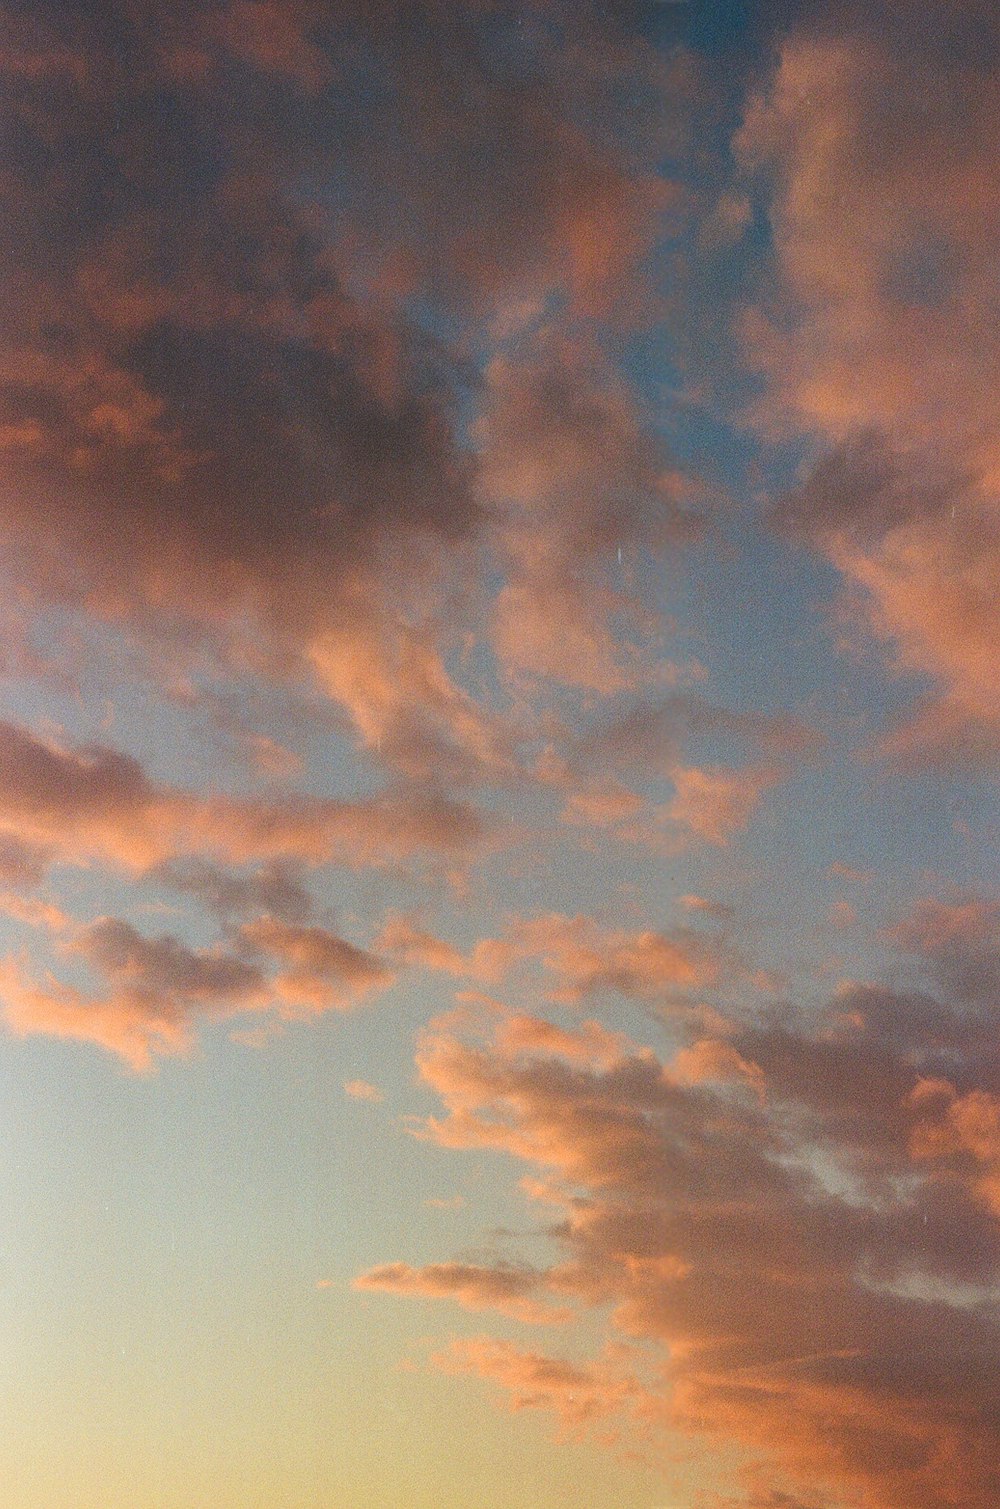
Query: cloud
[[403, 703], [360, 1089], [22, 866], [163, 966], [591, 1043], [487, 962], [579, 956], [716, 802], [799, 1216], [317, 971], [578, 477], [651, 734], [959, 942], [720, 910], [601, 804], [276, 888], [88, 803], [95, 801], [35, 913], [580, 1396], [586, 958], [157, 990], [214, 366], [880, 346], [652, 740], [961, 1134], [504, 1287]]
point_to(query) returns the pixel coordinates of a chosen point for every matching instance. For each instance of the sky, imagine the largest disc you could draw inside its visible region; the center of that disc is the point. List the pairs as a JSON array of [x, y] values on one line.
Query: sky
[[499, 737]]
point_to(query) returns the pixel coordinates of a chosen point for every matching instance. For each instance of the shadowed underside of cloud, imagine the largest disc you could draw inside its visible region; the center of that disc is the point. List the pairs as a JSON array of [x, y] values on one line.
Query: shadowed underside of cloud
[[317, 970], [157, 989], [650, 739]]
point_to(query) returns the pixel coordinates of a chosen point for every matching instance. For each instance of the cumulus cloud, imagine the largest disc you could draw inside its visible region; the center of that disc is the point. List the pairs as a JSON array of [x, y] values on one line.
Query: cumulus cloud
[[276, 888], [716, 802], [566, 458], [655, 739], [318, 379], [800, 1214], [78, 804], [585, 958], [317, 971], [22, 865], [156, 991], [216, 368], [875, 139], [578, 956], [959, 941]]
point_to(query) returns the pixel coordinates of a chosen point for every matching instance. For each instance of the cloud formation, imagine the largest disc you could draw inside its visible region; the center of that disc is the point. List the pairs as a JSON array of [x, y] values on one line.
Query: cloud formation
[[78, 804], [155, 992], [367, 536], [880, 343], [317, 971], [503, 1287], [220, 370], [801, 1213]]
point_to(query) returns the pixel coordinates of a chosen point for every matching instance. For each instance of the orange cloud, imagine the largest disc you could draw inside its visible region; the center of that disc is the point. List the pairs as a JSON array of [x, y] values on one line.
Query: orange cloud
[[714, 802], [882, 343], [580, 1396], [585, 957], [581, 956], [958, 941], [502, 1287], [96, 803], [784, 1214], [961, 1133], [360, 1089], [258, 398], [317, 970], [590, 1043], [157, 991], [578, 481]]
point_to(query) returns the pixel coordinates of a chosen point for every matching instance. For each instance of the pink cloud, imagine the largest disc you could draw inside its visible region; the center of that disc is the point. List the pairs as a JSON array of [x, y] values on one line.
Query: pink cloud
[[881, 344], [714, 802], [764, 1210], [578, 481], [360, 1089], [97, 803], [316, 970], [502, 1287], [581, 1397], [157, 992]]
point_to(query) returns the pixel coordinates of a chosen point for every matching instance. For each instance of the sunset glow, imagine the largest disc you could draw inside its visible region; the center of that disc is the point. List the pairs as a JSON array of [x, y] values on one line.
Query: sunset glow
[[500, 725]]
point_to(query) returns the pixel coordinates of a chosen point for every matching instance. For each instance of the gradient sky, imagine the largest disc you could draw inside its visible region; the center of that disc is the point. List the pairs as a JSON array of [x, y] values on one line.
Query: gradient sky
[[499, 645]]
